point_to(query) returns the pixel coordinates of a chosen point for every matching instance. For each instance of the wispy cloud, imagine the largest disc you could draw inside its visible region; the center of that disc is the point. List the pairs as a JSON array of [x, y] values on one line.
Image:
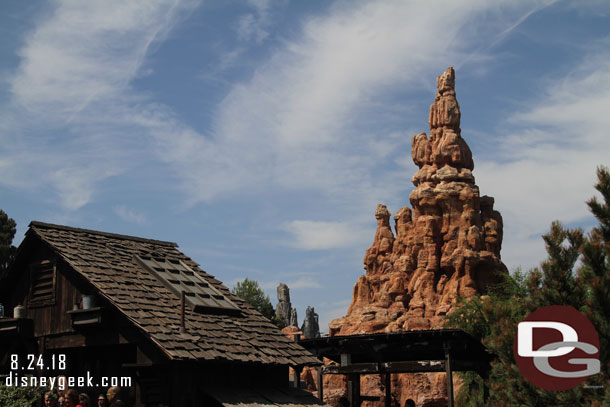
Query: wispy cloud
[[295, 126], [130, 215], [317, 235], [71, 91], [544, 169], [287, 128], [298, 284], [254, 26]]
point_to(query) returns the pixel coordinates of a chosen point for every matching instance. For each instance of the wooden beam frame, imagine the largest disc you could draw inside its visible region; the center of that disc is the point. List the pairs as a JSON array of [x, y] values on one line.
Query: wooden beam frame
[[449, 374], [422, 366], [388, 389], [320, 383]]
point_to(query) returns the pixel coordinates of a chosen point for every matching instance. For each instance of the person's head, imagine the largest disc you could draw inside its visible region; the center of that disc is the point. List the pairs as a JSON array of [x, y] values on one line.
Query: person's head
[[114, 394], [72, 398], [102, 401], [50, 399], [83, 400], [61, 401], [409, 403]]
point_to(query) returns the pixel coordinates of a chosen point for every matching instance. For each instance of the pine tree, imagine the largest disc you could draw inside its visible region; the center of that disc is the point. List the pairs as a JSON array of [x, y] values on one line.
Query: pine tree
[[594, 276], [493, 319], [8, 228], [251, 292]]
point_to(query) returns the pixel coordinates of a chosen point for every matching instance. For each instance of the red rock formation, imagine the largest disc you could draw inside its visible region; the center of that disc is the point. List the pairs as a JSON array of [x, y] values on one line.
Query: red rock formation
[[447, 246]]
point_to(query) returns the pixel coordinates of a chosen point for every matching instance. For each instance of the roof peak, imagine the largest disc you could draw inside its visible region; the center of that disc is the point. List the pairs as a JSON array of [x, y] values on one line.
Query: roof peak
[[43, 225]]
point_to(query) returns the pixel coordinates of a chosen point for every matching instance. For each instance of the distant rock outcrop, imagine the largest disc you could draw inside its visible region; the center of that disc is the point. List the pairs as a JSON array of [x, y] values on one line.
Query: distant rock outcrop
[[311, 328], [294, 320], [283, 309], [447, 246]]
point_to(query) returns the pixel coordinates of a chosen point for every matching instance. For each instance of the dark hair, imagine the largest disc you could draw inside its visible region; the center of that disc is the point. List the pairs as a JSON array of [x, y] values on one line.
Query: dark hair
[[409, 403], [72, 395]]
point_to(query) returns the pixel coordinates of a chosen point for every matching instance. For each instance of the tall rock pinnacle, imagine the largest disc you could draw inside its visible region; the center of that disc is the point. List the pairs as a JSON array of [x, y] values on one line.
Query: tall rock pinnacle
[[447, 246], [284, 307]]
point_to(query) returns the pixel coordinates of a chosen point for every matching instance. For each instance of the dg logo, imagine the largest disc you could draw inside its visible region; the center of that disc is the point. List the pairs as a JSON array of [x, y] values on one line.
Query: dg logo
[[557, 348]]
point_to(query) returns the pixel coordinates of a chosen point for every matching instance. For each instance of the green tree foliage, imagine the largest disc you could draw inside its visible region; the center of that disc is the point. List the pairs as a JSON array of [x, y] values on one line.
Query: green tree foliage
[[560, 280], [253, 294], [16, 396], [8, 227]]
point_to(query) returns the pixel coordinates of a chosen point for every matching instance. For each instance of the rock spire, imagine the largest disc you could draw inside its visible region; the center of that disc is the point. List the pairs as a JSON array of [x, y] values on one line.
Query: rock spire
[[447, 245], [310, 328], [284, 307]]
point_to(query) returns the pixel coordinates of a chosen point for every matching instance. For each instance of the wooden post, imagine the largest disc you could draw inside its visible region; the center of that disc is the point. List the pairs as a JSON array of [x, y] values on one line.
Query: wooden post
[[449, 376], [355, 387], [182, 326], [388, 390], [320, 384], [353, 382], [296, 378]]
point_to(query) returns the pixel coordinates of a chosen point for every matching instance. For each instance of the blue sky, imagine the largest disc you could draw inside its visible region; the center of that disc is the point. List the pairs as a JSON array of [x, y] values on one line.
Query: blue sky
[[260, 135]]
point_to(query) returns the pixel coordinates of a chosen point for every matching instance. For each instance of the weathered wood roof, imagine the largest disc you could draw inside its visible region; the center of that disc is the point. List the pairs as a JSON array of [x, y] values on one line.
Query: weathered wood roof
[[410, 346], [109, 262]]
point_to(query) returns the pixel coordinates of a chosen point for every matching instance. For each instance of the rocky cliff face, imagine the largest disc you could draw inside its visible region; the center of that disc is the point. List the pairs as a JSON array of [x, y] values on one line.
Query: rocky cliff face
[[447, 246]]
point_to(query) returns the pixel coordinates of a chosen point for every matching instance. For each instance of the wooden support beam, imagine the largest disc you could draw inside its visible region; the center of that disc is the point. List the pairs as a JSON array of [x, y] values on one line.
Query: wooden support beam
[[320, 384], [388, 390], [416, 366], [296, 376], [449, 374], [359, 368], [420, 366], [353, 390]]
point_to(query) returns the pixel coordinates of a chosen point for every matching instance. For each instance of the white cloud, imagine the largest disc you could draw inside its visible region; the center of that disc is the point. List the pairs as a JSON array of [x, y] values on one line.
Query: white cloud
[[298, 284], [293, 126], [328, 312], [130, 215], [70, 95], [87, 51], [546, 167], [254, 26], [288, 126], [317, 235]]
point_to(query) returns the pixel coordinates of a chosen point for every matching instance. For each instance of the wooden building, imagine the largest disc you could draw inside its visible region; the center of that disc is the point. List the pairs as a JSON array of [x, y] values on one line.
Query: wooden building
[[122, 306]]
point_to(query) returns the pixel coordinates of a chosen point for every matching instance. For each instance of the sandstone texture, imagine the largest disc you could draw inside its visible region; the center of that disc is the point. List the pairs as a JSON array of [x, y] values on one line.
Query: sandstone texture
[[447, 245]]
